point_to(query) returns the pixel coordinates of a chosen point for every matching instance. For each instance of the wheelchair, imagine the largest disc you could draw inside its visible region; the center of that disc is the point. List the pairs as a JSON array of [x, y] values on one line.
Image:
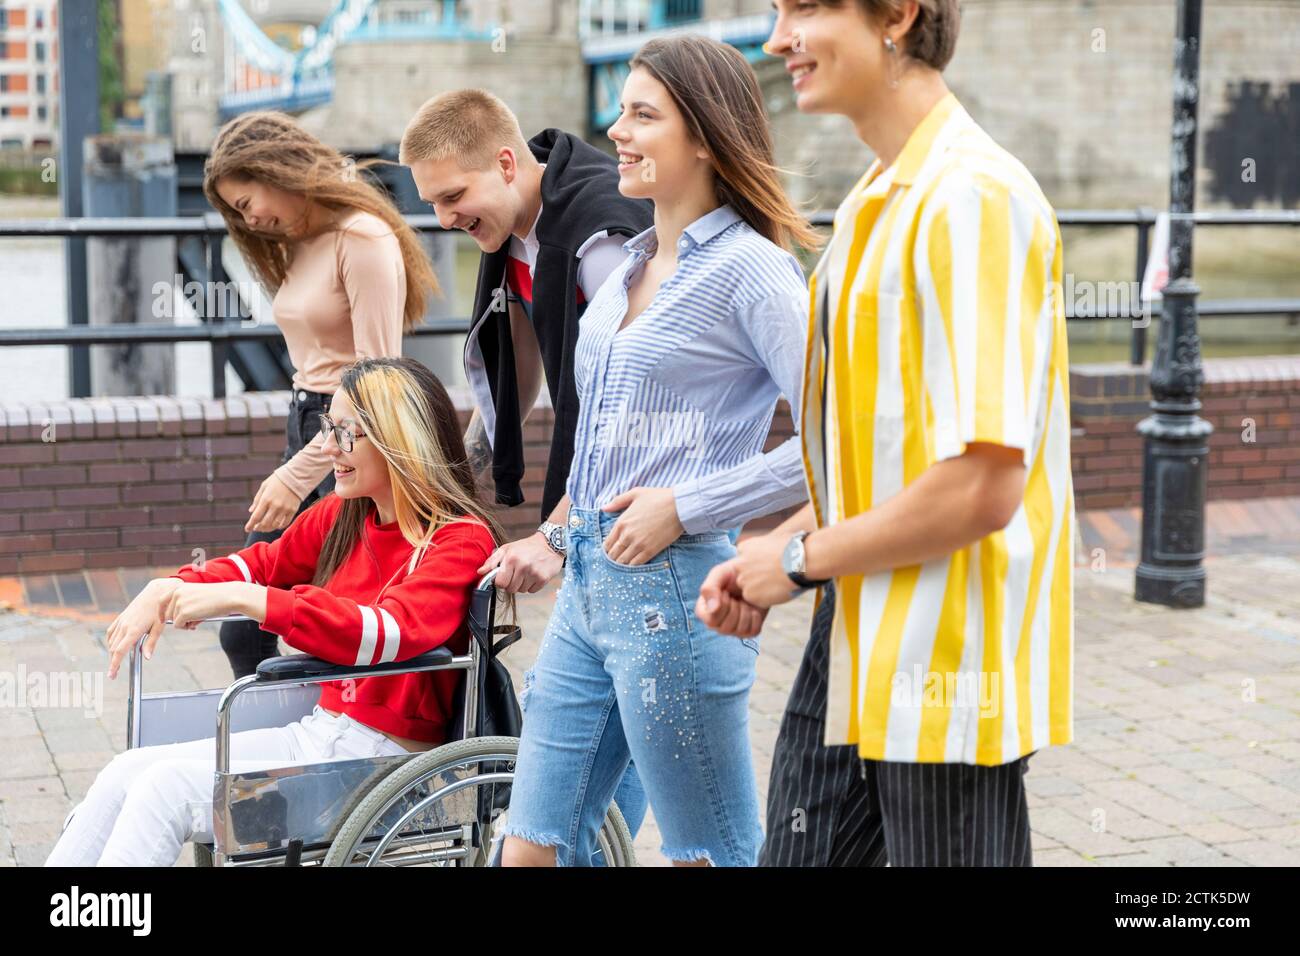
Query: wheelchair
[[442, 807]]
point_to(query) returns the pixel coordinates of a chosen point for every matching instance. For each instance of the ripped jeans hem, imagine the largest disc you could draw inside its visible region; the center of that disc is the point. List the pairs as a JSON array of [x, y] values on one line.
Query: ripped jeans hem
[[538, 839], [675, 855]]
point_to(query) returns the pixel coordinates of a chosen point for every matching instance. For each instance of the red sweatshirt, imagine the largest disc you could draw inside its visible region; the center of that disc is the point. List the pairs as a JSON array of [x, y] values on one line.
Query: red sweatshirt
[[343, 622]]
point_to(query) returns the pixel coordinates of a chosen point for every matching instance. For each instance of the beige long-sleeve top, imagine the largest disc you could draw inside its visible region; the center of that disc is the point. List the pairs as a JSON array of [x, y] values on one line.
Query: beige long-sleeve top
[[342, 300]]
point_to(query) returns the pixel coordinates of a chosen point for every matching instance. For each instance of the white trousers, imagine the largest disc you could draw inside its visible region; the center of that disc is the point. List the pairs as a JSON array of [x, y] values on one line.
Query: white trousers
[[145, 805]]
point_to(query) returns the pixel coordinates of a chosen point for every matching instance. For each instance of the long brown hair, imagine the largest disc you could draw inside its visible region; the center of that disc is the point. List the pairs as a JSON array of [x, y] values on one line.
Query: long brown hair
[[406, 413], [273, 149], [717, 92]]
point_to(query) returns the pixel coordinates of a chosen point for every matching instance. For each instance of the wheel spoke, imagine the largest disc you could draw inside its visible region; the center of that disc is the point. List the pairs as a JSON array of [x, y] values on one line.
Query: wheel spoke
[[448, 812]]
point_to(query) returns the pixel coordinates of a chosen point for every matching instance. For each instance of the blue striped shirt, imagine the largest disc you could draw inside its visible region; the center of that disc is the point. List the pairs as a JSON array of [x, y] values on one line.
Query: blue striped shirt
[[683, 397]]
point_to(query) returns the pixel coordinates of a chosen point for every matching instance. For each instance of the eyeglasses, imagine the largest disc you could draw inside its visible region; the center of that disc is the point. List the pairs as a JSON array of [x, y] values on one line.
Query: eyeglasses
[[344, 436]]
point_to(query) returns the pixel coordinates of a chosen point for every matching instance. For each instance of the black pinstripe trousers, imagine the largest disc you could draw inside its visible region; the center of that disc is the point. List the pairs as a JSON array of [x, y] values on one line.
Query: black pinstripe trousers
[[828, 807]]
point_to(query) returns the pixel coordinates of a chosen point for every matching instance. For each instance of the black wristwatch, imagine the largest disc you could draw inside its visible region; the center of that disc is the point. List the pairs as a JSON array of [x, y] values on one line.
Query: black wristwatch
[[794, 562]]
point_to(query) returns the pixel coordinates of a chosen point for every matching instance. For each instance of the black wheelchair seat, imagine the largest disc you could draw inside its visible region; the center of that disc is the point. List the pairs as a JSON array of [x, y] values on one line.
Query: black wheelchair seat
[[301, 666]]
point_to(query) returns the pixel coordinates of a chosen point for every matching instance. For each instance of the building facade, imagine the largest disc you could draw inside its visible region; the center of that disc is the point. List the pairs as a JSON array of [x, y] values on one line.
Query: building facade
[[29, 76]]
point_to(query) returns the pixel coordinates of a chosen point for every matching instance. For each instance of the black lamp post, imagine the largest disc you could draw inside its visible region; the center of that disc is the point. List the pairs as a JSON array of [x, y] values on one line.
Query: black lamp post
[[78, 118], [1176, 453]]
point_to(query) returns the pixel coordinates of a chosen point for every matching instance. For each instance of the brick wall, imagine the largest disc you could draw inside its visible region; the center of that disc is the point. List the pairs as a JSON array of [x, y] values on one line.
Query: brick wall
[[145, 481], [126, 482], [1253, 403]]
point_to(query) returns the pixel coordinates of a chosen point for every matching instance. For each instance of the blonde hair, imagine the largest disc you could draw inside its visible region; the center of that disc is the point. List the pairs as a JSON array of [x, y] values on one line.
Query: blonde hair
[[406, 414], [273, 149], [471, 125]]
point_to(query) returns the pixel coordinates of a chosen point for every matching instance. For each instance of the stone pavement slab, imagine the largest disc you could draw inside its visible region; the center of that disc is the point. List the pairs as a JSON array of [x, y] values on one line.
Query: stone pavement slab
[[1186, 752]]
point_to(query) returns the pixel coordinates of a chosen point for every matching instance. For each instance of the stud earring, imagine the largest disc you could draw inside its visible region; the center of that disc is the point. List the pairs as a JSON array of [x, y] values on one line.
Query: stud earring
[[894, 65]]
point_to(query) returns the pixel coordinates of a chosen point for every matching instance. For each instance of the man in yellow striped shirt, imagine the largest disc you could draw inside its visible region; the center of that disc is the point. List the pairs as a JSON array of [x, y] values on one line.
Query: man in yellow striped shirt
[[936, 440]]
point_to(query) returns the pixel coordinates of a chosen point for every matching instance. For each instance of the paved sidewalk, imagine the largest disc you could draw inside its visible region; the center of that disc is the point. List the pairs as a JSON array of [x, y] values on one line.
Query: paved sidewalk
[[1187, 746]]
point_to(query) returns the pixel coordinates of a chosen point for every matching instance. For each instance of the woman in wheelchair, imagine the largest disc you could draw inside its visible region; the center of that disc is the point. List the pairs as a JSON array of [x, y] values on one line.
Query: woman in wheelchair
[[381, 570]]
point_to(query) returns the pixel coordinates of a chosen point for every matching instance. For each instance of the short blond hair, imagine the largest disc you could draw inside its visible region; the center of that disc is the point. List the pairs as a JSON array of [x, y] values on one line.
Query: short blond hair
[[471, 125]]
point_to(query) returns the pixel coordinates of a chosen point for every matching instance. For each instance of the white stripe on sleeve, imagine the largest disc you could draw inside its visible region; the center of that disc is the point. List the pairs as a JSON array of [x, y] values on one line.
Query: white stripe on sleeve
[[369, 636], [243, 567], [392, 637]]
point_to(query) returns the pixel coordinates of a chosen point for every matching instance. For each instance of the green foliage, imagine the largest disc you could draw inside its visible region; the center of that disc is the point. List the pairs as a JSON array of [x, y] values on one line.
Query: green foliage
[[25, 182], [111, 91]]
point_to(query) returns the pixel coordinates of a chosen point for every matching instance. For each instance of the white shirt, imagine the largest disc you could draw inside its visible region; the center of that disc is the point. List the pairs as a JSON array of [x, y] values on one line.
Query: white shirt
[[600, 255]]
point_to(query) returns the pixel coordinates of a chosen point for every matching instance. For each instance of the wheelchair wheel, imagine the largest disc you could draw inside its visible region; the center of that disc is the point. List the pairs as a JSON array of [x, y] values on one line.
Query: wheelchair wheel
[[444, 808]]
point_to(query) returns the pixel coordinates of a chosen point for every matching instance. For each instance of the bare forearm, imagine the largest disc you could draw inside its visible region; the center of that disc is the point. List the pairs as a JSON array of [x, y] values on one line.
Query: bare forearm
[[949, 507], [560, 513], [250, 601], [528, 361], [530, 387], [477, 447], [801, 520], [528, 377]]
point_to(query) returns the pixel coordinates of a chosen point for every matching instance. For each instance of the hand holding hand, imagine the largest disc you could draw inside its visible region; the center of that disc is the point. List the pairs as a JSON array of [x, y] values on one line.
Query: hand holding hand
[[721, 607], [760, 578]]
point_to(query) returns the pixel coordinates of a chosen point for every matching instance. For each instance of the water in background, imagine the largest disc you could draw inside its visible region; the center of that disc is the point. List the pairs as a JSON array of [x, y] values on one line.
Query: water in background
[[1230, 263], [34, 296]]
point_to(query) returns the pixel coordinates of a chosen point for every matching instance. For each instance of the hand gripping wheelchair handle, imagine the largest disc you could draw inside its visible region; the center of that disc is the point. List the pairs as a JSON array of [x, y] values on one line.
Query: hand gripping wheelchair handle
[[491, 639]]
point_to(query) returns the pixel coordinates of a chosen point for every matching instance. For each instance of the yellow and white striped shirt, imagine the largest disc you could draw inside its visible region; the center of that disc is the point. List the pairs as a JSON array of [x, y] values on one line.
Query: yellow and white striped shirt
[[937, 321]]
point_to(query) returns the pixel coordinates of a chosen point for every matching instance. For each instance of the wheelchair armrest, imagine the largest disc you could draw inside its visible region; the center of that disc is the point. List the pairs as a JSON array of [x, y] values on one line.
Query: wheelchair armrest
[[306, 667], [481, 613]]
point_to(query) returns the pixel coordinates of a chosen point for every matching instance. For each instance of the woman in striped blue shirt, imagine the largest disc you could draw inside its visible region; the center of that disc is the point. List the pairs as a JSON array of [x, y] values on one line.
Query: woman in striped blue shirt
[[679, 363]]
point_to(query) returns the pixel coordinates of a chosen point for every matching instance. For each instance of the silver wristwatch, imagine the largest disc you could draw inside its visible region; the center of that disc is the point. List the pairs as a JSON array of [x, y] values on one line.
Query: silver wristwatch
[[794, 563], [557, 537]]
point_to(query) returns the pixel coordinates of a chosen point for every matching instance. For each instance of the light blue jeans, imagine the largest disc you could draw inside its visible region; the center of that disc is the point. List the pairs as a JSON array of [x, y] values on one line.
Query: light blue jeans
[[627, 672]]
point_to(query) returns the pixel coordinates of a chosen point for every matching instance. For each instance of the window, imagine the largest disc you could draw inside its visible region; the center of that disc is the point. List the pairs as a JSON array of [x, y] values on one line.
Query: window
[[681, 11], [4, 82], [40, 51], [40, 82], [41, 112]]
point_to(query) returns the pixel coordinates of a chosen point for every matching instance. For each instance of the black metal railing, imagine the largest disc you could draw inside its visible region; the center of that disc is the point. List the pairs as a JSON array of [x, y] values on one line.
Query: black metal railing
[[1143, 220], [222, 332]]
